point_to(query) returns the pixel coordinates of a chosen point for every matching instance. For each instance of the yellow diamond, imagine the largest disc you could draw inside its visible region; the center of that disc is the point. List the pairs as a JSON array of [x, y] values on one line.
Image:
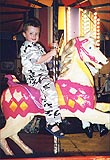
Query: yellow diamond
[[13, 106], [23, 106], [80, 101], [71, 103]]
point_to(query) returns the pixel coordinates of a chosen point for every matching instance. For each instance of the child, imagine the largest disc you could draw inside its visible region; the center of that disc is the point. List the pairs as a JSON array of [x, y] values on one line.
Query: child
[[33, 59]]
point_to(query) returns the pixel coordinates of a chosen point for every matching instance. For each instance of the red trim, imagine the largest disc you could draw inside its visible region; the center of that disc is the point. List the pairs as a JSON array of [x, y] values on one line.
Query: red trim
[[67, 158], [68, 2], [84, 4]]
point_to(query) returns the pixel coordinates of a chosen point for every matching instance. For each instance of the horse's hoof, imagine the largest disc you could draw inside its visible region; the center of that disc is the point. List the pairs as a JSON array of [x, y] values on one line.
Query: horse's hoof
[[103, 130], [89, 131]]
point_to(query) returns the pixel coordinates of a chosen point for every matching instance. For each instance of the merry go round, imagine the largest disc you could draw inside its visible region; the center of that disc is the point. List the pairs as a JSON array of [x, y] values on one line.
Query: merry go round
[[75, 87]]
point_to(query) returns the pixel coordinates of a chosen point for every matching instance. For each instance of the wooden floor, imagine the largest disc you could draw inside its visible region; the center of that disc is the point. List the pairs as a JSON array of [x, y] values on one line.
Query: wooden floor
[[71, 145], [80, 144]]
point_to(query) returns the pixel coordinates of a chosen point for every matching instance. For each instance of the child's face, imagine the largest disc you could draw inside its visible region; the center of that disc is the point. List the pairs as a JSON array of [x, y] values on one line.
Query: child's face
[[32, 34]]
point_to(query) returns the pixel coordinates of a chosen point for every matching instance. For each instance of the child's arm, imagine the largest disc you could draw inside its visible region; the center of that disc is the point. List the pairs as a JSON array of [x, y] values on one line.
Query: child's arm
[[47, 57]]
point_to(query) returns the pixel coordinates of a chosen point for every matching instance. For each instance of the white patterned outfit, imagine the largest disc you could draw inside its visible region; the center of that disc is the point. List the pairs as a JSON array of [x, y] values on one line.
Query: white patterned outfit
[[37, 76]]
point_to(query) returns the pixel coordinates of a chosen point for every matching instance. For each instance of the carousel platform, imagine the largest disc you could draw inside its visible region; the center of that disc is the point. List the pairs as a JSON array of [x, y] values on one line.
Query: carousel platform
[[73, 146]]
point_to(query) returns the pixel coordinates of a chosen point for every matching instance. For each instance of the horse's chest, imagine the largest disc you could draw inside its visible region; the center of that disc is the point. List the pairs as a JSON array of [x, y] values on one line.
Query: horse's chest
[[74, 96]]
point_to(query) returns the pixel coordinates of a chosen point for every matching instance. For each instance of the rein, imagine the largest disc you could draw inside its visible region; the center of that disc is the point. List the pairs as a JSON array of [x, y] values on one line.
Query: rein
[[80, 48], [32, 97]]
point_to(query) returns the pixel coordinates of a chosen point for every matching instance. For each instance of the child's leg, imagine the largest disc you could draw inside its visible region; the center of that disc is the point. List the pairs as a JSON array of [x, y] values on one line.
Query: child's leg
[[50, 101]]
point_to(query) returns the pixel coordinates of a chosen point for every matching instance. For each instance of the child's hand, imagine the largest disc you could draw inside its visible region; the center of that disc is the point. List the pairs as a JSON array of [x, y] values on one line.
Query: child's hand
[[48, 60], [53, 52], [54, 45]]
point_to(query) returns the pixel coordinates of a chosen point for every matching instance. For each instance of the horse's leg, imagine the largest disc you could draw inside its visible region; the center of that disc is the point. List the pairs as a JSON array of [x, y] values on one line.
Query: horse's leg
[[94, 116], [5, 147], [21, 144]]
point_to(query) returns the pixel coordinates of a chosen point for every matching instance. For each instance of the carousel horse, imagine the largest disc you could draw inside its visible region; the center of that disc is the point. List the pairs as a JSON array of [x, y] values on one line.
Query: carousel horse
[[75, 87]]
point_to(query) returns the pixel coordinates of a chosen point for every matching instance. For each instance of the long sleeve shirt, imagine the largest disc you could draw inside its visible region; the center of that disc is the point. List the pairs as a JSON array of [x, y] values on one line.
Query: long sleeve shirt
[[30, 54]]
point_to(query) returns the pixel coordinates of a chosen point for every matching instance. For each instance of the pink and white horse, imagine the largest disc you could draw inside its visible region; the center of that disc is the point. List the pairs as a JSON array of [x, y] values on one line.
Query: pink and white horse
[[75, 87]]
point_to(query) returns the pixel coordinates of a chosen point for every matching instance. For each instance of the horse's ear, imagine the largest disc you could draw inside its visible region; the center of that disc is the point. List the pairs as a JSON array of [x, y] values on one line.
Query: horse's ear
[[89, 34]]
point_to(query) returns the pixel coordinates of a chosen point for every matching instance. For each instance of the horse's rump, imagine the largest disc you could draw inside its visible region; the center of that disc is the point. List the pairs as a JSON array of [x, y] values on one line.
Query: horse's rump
[[19, 99]]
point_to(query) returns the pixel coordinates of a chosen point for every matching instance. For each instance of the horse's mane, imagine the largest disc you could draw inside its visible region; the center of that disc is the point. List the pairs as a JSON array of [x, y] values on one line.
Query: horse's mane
[[66, 57], [68, 53]]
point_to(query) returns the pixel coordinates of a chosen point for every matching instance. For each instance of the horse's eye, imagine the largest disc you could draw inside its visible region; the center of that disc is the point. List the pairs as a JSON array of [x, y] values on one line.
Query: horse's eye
[[90, 47]]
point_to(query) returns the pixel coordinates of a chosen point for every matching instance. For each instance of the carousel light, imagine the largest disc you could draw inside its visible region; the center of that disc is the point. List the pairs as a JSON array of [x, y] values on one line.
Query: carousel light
[[107, 37], [98, 27], [86, 22], [95, 13], [98, 19], [98, 32], [14, 38], [98, 40]]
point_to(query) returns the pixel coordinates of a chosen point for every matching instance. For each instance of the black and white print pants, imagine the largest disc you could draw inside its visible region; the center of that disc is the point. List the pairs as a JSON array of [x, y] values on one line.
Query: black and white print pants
[[49, 96]]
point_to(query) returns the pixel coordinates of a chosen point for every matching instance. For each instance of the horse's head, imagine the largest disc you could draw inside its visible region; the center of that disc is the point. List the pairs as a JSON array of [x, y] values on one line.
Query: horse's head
[[89, 53], [84, 49]]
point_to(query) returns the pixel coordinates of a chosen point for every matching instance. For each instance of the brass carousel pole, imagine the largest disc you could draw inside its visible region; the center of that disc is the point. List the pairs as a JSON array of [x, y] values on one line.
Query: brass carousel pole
[[55, 37], [55, 60]]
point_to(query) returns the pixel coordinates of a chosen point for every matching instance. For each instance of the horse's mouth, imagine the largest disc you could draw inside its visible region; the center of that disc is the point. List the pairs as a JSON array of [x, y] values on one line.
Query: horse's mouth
[[96, 65], [99, 65]]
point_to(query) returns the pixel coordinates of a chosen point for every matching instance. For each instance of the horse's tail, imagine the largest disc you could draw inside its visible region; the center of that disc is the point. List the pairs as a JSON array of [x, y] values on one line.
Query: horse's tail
[[3, 85], [2, 119], [12, 80], [7, 81]]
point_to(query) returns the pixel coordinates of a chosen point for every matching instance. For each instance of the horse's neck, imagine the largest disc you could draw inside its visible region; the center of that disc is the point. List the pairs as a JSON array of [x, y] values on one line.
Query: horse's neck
[[93, 70], [79, 73]]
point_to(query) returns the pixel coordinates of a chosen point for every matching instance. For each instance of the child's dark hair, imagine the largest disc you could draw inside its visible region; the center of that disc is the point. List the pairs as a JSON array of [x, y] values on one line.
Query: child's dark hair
[[31, 22]]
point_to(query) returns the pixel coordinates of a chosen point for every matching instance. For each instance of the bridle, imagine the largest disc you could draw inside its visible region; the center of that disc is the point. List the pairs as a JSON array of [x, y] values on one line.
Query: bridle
[[80, 48]]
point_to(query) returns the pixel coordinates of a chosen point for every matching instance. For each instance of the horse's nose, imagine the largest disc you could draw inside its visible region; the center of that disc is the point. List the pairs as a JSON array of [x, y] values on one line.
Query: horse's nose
[[107, 61]]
